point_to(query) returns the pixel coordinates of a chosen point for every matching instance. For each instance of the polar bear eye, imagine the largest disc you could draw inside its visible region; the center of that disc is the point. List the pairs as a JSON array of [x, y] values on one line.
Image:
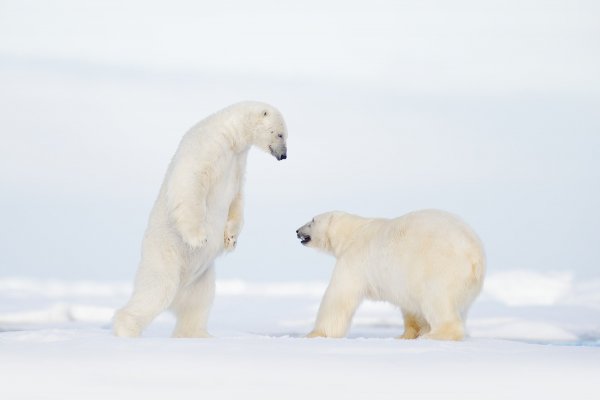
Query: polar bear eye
[[280, 136], [265, 114]]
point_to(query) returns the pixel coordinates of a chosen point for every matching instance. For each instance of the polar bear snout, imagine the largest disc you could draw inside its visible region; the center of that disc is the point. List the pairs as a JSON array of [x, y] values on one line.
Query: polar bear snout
[[303, 235], [280, 152]]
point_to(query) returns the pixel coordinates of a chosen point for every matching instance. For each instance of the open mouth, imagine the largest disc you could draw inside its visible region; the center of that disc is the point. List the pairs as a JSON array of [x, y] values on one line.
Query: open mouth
[[304, 239]]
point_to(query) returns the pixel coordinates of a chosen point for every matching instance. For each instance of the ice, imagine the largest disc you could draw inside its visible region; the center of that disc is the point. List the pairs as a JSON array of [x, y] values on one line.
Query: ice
[[56, 343], [523, 287]]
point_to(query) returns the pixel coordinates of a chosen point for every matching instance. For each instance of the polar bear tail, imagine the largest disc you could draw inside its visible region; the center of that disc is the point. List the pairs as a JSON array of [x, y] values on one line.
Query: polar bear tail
[[478, 271]]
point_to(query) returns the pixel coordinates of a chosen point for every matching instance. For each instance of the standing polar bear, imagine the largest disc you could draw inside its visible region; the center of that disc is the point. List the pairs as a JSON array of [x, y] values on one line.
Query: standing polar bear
[[198, 215], [428, 263]]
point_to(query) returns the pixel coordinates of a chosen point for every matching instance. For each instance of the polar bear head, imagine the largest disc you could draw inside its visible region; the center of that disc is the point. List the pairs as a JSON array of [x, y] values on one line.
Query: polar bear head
[[319, 231], [268, 130]]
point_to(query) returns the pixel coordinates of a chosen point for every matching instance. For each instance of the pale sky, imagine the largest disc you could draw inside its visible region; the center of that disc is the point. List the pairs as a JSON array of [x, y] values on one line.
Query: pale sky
[[486, 109]]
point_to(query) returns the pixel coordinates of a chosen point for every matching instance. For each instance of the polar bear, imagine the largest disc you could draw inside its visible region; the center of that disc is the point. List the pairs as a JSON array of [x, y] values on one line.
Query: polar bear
[[198, 214], [428, 263]]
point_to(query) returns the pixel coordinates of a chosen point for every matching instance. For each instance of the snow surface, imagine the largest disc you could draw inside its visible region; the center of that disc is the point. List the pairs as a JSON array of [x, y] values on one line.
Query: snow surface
[[533, 335]]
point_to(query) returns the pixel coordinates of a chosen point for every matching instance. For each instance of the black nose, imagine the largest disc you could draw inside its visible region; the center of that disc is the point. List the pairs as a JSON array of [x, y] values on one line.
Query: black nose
[[297, 230], [283, 157]]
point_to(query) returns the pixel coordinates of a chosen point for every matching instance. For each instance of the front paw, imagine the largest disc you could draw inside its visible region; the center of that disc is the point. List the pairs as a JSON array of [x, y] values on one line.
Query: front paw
[[197, 239], [232, 231], [230, 241]]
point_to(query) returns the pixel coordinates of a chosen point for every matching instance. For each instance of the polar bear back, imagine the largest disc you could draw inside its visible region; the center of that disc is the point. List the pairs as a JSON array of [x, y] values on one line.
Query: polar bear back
[[420, 256]]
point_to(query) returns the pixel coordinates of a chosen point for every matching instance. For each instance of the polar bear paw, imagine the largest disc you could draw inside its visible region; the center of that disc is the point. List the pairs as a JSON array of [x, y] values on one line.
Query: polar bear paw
[[197, 239], [230, 241], [232, 231], [198, 242], [126, 325]]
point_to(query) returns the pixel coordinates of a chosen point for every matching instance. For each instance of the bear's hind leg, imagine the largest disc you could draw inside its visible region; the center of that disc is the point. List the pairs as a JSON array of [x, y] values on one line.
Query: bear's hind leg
[[413, 326], [153, 293], [192, 306], [445, 323], [450, 330]]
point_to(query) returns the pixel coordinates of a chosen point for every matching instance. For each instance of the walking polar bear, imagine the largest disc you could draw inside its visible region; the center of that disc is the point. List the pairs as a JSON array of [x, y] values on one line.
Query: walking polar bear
[[198, 215], [428, 263]]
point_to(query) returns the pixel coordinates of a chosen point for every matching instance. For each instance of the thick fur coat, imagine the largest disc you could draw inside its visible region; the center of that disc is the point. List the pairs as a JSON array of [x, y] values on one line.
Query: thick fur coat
[[428, 263], [198, 214]]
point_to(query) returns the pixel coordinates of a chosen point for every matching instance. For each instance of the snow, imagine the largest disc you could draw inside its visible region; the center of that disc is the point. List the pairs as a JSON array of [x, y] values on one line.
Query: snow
[[55, 343]]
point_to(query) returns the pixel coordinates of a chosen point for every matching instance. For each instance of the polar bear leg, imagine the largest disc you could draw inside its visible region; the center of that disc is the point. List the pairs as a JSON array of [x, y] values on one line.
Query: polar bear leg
[[235, 220], [152, 294], [445, 322], [192, 306], [414, 326], [187, 190], [450, 330], [342, 298]]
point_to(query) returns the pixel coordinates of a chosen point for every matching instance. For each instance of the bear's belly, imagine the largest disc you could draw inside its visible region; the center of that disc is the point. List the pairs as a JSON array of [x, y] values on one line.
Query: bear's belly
[[389, 280], [218, 202], [217, 206], [395, 291]]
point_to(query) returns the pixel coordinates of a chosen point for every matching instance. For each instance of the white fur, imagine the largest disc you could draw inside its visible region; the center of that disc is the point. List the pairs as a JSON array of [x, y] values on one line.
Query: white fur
[[198, 215], [429, 263]]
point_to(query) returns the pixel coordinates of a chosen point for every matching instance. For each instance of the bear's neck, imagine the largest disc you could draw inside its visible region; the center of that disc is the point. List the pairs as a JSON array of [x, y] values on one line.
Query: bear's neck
[[342, 229], [238, 135]]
